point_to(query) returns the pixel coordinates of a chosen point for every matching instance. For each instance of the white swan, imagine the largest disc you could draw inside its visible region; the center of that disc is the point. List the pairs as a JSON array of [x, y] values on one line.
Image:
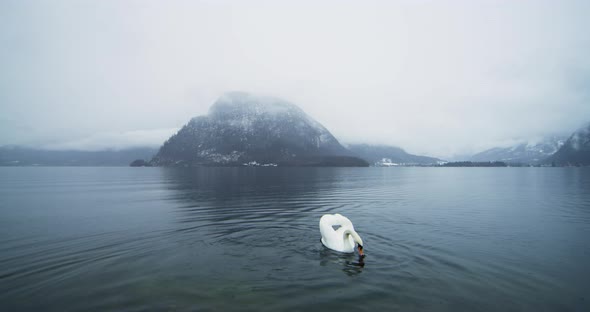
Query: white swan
[[342, 239]]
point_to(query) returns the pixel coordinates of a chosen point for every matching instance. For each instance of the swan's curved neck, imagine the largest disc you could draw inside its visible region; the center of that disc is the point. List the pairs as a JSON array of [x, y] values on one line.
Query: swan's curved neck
[[354, 235]]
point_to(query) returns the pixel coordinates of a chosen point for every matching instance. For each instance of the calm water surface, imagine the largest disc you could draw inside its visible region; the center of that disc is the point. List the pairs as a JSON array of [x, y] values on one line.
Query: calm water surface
[[210, 239]]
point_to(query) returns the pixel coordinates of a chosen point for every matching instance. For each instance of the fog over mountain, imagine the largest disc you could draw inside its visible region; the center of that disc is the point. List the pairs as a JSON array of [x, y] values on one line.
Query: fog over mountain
[[575, 151], [531, 152], [19, 156], [437, 78]]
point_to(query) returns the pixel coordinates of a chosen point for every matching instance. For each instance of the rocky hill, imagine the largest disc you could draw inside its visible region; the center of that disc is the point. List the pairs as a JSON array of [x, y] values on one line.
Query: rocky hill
[[242, 128]]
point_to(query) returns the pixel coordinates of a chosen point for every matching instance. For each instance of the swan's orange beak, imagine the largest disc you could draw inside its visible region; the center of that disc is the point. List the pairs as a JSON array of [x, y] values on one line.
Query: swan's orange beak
[[360, 248]]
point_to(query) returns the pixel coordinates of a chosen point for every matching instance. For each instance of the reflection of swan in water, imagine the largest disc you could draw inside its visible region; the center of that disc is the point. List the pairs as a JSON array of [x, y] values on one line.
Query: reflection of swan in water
[[342, 239], [347, 262]]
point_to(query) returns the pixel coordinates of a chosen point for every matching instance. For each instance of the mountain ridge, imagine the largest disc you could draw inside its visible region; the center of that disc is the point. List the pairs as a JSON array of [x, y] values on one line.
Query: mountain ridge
[[386, 155], [523, 153], [575, 151], [27, 156]]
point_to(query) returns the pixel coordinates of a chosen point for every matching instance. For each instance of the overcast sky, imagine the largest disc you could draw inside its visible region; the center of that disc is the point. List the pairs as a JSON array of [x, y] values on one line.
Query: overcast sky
[[434, 77]]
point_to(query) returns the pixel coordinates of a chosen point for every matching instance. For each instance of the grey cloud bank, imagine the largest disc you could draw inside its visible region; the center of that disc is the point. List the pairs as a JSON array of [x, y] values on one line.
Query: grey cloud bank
[[434, 77]]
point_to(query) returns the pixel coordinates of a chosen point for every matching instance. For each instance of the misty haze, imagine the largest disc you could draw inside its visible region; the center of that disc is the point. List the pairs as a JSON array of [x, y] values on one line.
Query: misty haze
[[294, 155]]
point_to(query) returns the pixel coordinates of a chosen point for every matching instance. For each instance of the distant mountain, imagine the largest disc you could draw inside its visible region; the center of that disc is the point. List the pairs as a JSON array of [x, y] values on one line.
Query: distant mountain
[[382, 155], [575, 151], [474, 164], [22, 156], [241, 128], [525, 153]]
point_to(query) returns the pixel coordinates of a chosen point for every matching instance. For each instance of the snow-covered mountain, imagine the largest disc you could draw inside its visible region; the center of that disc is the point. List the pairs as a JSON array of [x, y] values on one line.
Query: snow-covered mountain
[[242, 128], [383, 155], [575, 151], [525, 153]]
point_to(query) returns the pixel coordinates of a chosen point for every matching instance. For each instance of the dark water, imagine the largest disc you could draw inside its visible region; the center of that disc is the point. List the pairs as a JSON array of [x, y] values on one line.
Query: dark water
[[211, 239]]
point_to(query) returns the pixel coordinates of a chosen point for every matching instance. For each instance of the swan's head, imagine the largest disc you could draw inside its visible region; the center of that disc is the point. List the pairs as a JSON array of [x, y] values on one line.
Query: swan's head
[[360, 249]]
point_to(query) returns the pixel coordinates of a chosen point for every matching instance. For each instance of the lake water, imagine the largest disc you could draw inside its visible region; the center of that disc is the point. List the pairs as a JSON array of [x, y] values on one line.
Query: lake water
[[219, 239]]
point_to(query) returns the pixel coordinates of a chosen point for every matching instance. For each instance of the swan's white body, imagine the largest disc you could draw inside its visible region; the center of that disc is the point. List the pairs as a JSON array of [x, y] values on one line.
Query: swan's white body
[[344, 239]]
